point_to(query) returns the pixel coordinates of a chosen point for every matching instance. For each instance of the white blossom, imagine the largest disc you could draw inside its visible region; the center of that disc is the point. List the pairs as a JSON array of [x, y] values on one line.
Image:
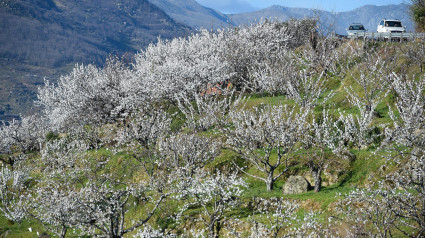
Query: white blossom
[[217, 194], [12, 193], [255, 135]]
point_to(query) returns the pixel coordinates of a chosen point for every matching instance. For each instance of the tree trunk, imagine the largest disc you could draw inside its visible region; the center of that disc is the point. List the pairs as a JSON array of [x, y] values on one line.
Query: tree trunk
[[218, 228], [113, 228], [211, 228], [63, 231], [270, 181], [317, 175]]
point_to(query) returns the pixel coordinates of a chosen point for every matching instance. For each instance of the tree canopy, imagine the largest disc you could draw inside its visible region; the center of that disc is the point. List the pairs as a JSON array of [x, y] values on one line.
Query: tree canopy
[[417, 12]]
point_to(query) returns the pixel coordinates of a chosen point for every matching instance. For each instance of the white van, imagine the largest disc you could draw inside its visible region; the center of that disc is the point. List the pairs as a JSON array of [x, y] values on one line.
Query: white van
[[393, 26]]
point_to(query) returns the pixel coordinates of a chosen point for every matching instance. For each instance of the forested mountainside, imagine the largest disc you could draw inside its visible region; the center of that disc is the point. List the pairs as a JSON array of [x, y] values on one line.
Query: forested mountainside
[[40, 38]]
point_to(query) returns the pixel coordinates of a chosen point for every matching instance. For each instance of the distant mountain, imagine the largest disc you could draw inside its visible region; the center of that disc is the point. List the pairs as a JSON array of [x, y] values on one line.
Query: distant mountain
[[45, 38], [280, 13], [191, 13], [368, 15]]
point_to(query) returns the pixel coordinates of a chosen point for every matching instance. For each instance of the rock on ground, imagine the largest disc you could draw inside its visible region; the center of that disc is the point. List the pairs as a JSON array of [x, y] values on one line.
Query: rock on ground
[[295, 184]]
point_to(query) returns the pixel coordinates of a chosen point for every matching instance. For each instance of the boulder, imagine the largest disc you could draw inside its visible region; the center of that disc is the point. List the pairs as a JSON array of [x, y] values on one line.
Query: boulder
[[296, 184], [331, 178]]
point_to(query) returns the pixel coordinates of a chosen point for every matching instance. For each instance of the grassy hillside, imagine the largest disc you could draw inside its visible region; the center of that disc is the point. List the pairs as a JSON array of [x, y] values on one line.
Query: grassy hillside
[[145, 150]]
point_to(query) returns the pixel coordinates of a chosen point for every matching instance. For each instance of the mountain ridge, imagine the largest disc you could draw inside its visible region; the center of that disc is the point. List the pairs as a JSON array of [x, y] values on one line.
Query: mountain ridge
[[191, 13]]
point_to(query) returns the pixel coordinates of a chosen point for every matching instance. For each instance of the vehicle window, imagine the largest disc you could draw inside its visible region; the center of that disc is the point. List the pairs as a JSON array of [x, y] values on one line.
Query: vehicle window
[[393, 23], [382, 23]]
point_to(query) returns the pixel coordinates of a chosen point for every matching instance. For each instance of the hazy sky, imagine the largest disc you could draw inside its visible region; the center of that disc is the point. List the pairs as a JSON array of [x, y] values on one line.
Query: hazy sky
[[237, 6]]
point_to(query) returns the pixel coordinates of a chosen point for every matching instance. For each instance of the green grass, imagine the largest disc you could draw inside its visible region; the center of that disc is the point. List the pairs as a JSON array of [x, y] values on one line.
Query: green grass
[[19, 230], [257, 100], [365, 169], [326, 196]]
